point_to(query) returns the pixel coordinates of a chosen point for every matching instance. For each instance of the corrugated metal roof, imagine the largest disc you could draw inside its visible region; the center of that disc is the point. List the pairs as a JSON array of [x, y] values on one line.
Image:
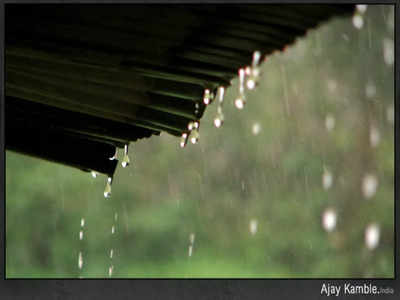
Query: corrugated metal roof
[[83, 79]]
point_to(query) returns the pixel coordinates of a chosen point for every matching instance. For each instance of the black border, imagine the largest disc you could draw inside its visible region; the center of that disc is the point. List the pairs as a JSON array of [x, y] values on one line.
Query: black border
[[185, 288]]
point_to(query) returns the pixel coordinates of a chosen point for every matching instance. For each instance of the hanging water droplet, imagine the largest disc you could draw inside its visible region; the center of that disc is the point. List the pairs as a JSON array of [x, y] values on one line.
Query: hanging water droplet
[[253, 226], [107, 190], [208, 97], [219, 118], [372, 234], [115, 154], [190, 125], [125, 161], [194, 137], [329, 219], [240, 101], [94, 174], [247, 71], [111, 253], [241, 81], [221, 92], [254, 71], [82, 222], [184, 139], [251, 83], [80, 260], [81, 235], [256, 58]]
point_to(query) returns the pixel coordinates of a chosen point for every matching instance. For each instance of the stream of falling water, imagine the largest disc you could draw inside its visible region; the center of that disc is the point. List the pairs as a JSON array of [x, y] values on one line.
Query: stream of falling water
[[80, 255], [107, 194]]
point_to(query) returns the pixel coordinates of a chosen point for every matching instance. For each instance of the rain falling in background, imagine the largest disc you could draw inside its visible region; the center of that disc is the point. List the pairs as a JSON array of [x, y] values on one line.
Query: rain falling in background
[[298, 182]]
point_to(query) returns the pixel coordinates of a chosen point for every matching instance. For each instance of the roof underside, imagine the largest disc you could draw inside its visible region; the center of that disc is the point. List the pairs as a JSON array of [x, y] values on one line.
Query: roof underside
[[84, 79]]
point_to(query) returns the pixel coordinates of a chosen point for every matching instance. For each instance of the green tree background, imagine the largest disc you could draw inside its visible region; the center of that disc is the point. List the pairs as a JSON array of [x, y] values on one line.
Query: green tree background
[[264, 168]]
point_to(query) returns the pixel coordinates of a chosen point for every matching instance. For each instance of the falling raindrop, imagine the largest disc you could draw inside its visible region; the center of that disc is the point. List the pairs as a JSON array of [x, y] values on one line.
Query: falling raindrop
[[80, 260], [111, 253], [332, 85], [254, 71], [358, 21], [208, 97], [327, 179], [184, 139], [330, 122], [241, 100], [253, 226], [388, 51], [329, 218], [191, 244], [221, 93], [390, 114], [115, 154], [107, 190], [374, 136], [113, 229], [110, 271], [219, 118], [370, 89], [361, 8], [372, 234], [256, 128], [369, 185], [390, 20], [94, 174], [191, 238], [125, 161], [116, 217]]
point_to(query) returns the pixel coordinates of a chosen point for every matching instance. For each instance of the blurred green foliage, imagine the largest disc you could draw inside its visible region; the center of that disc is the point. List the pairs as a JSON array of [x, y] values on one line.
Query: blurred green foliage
[[232, 178]]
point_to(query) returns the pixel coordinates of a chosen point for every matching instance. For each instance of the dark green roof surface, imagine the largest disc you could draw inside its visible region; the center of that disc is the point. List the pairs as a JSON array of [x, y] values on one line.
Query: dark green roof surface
[[84, 79]]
